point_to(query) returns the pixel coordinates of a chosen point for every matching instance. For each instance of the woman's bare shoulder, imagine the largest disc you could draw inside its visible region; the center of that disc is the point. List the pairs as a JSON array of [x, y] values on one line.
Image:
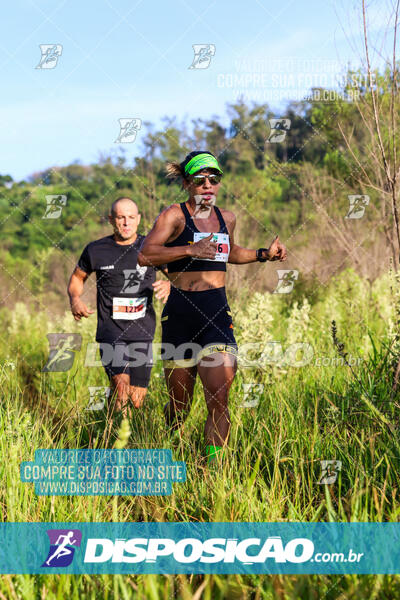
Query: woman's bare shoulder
[[228, 215], [173, 212]]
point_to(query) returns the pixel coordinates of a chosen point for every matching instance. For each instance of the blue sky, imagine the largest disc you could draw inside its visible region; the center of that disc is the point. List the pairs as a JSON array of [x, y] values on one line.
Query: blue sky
[[131, 58]]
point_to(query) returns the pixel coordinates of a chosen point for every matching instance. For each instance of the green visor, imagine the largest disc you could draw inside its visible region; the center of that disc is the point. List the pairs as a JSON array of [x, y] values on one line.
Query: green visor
[[202, 161]]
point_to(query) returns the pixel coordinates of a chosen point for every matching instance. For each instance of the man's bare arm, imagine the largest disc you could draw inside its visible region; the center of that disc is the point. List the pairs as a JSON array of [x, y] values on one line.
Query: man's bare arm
[[75, 290]]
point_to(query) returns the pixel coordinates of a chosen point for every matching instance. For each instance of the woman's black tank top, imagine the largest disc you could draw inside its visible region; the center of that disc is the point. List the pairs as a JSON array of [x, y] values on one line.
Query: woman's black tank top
[[185, 238]]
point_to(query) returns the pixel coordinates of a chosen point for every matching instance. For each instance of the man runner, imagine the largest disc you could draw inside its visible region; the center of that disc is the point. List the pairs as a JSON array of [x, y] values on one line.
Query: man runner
[[125, 313]]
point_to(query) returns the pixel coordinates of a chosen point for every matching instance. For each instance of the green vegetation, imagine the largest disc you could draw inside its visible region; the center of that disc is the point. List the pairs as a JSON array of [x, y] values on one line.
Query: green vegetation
[[298, 188], [306, 414]]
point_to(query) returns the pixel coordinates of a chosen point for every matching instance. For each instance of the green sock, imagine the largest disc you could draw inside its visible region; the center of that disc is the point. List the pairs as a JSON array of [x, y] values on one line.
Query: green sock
[[211, 452]]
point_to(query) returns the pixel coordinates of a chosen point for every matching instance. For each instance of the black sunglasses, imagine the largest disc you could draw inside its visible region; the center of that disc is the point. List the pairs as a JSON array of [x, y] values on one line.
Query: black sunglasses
[[200, 179]]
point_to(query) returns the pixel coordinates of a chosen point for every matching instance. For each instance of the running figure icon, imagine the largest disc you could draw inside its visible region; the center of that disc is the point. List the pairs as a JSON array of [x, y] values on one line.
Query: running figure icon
[[62, 549]]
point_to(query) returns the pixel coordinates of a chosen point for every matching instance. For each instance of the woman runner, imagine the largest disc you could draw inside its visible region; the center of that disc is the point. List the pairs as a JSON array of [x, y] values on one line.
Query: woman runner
[[196, 240]]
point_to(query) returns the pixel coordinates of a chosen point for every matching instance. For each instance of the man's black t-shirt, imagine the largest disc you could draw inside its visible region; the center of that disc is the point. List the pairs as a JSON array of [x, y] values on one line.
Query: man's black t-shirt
[[125, 310]]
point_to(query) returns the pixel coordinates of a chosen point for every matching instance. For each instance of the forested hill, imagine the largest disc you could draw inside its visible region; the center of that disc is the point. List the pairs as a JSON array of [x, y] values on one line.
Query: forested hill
[[298, 187]]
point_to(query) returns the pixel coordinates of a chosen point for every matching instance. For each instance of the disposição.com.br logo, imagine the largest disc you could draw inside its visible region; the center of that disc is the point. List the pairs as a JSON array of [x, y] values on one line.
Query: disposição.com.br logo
[[62, 547]]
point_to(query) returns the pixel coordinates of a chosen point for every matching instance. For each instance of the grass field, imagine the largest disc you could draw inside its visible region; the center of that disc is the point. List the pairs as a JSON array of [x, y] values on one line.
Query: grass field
[[321, 410]]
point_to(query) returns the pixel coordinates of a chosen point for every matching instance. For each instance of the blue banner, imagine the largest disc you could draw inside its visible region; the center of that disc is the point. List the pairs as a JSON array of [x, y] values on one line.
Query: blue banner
[[168, 548]]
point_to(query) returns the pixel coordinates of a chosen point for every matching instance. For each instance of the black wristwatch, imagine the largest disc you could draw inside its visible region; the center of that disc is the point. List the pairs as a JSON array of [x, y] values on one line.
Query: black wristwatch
[[259, 255]]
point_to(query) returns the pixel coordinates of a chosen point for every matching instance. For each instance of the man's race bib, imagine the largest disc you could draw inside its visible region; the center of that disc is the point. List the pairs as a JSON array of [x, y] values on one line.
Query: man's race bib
[[222, 240], [129, 308]]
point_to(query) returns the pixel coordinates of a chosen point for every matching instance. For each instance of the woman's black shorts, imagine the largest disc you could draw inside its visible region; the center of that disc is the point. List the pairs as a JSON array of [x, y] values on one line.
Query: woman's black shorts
[[196, 324]]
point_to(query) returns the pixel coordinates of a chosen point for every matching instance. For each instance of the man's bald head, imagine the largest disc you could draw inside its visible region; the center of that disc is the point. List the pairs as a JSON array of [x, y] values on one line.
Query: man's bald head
[[124, 217], [123, 203]]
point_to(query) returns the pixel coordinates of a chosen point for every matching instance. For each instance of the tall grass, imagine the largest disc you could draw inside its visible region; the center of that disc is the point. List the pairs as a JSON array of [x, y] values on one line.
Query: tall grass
[[272, 466]]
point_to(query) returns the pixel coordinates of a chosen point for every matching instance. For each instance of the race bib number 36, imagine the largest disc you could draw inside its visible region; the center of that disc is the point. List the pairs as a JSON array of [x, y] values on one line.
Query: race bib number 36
[[223, 248], [129, 308]]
